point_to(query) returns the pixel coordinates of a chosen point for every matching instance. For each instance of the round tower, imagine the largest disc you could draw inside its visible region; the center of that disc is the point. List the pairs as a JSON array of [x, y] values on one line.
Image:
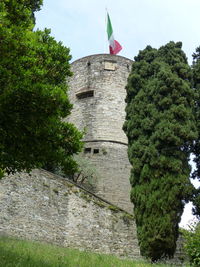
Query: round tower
[[97, 92]]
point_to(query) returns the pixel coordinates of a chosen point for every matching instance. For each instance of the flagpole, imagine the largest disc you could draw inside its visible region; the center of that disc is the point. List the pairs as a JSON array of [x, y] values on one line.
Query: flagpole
[[105, 42]]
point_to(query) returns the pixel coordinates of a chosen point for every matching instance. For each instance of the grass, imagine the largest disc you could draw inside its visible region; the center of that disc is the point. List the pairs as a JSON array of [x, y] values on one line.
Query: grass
[[19, 253]]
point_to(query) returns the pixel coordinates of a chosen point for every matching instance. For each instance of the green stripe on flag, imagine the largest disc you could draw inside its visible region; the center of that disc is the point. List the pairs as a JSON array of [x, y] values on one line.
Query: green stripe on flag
[[109, 27]]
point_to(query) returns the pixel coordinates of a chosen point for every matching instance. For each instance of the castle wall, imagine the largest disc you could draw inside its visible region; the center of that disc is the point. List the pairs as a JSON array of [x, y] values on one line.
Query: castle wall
[[103, 115], [97, 92], [45, 207], [113, 171]]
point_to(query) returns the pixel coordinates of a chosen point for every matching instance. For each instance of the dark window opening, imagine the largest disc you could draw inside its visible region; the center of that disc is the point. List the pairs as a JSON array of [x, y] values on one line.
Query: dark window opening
[[96, 151], [87, 150], [86, 94]]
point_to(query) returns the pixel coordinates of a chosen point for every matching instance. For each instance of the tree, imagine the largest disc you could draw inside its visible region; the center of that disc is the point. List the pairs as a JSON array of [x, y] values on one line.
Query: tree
[[86, 174], [33, 94], [196, 149], [192, 243], [161, 129]]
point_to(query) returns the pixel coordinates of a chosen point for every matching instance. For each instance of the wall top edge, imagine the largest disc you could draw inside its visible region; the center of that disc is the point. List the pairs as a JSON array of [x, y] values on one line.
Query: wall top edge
[[106, 56]]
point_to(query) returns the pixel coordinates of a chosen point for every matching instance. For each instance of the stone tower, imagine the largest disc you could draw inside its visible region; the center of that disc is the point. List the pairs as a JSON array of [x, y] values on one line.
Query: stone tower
[[97, 92]]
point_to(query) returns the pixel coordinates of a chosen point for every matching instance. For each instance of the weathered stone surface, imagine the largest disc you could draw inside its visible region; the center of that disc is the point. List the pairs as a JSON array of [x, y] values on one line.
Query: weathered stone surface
[[113, 172], [101, 116], [48, 208]]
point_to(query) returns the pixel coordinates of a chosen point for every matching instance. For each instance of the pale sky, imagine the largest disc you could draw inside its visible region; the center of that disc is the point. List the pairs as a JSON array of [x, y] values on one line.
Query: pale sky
[[80, 25]]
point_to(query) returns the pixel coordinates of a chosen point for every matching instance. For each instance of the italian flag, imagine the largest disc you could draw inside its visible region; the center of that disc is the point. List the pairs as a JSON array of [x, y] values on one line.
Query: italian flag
[[114, 46]]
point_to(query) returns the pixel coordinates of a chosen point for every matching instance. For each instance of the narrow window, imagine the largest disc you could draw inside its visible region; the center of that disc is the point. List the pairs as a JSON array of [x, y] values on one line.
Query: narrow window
[[87, 150], [85, 94], [95, 151]]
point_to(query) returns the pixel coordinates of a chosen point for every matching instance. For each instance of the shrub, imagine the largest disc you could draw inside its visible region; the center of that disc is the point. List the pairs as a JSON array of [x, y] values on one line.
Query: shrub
[[192, 244], [87, 174]]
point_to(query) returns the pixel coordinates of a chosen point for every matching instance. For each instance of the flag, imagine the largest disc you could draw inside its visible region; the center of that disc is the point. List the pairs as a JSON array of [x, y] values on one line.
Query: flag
[[114, 46]]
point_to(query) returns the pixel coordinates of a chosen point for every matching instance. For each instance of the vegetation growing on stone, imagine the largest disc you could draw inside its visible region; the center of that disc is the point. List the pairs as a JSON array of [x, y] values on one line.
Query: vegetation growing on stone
[[33, 94], [86, 174], [160, 127], [114, 208]]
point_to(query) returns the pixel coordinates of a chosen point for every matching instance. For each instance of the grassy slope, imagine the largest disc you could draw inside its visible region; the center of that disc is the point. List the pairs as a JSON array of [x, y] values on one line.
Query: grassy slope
[[17, 253]]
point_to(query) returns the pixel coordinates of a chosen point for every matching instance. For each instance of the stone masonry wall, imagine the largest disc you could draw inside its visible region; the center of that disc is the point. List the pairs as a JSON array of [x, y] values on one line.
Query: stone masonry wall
[[113, 170], [101, 115], [48, 208]]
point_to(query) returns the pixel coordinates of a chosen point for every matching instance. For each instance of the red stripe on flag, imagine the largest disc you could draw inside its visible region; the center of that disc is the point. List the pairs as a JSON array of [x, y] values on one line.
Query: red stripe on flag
[[117, 48]]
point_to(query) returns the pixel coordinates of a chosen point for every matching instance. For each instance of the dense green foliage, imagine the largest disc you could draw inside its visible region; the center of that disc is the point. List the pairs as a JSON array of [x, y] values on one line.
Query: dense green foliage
[[192, 244], [196, 151], [31, 254], [33, 93], [161, 129]]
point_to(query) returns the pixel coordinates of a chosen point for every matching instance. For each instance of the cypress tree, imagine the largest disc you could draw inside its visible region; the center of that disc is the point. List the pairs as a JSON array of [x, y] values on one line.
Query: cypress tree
[[160, 128], [196, 150]]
